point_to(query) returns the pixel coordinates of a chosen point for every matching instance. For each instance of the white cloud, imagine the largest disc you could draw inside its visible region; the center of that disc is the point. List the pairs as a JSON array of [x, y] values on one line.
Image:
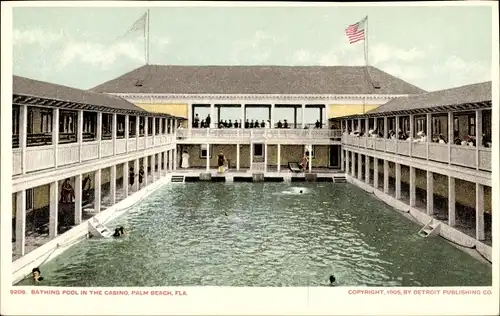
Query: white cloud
[[408, 73], [380, 53], [458, 71], [255, 50], [35, 36], [99, 55]]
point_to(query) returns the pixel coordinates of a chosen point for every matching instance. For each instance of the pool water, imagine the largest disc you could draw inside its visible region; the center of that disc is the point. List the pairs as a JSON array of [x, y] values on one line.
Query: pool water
[[273, 235]]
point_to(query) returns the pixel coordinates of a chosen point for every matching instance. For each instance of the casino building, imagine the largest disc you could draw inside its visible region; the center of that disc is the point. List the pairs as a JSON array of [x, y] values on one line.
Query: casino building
[[75, 152]]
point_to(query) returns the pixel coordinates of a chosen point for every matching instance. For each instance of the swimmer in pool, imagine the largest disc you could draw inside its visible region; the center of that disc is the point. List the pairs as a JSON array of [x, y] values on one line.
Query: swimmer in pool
[[117, 233], [332, 280], [300, 191], [225, 213], [122, 231], [36, 275]]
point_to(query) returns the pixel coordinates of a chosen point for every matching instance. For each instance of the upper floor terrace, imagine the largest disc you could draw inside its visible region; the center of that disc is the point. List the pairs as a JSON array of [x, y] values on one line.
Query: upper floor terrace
[[451, 126], [51, 129]]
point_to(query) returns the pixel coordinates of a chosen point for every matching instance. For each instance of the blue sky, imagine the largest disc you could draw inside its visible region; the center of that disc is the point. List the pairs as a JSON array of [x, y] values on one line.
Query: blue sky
[[431, 47]]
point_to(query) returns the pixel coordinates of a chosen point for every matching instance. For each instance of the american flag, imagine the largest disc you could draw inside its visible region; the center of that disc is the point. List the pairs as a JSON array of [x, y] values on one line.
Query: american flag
[[356, 32]]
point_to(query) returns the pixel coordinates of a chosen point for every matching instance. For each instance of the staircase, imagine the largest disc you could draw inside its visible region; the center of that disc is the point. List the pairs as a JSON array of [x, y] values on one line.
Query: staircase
[[339, 178], [430, 229], [177, 179]]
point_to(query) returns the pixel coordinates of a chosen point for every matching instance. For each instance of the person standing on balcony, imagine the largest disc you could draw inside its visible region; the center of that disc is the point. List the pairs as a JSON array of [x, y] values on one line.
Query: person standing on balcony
[[208, 120], [196, 121], [285, 124], [280, 125], [262, 124], [251, 124], [318, 124]]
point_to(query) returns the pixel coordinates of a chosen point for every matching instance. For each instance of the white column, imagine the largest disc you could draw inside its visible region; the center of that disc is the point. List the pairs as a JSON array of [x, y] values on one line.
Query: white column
[[213, 122], [208, 158], [127, 131], [55, 134], [21, 221], [413, 187], [153, 167], [347, 162], [242, 116], [78, 199], [237, 157], [428, 118], [165, 162], [342, 159], [190, 116], [137, 119], [113, 132], [174, 165], [125, 178], [479, 134], [303, 115], [367, 169], [360, 166], [112, 184], [146, 123], [23, 134], [479, 211], [310, 157], [169, 153], [412, 134], [451, 201], [278, 162], [386, 177], [97, 191], [154, 133], [325, 117], [375, 172], [251, 155], [98, 133], [430, 193], [353, 164], [450, 135], [160, 130], [136, 174], [79, 136], [265, 157], [54, 207], [146, 174], [398, 181]]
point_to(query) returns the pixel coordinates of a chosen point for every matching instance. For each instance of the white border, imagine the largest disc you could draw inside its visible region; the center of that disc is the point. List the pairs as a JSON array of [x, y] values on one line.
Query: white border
[[225, 300]]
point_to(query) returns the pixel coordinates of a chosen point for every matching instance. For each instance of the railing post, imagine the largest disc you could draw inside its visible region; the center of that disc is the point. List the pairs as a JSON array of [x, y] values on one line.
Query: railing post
[[55, 135]]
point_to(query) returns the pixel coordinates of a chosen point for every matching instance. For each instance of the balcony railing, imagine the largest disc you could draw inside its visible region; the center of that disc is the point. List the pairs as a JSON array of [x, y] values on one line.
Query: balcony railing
[[44, 157], [466, 156], [244, 134]]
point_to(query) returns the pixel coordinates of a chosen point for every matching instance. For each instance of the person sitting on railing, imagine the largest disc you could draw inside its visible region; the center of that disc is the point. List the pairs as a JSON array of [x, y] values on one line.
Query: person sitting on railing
[[236, 124], [251, 124], [280, 125], [202, 124], [262, 124], [471, 141], [306, 127], [456, 138], [421, 137], [230, 124], [220, 124], [226, 124], [441, 139], [268, 124], [247, 124], [317, 124], [285, 124], [208, 120]]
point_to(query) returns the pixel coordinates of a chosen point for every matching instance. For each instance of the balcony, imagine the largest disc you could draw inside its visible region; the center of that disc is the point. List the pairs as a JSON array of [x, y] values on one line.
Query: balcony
[[44, 157], [465, 156], [277, 136]]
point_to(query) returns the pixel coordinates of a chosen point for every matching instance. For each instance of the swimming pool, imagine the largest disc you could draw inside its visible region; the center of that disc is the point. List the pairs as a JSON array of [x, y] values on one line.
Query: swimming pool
[[272, 236]]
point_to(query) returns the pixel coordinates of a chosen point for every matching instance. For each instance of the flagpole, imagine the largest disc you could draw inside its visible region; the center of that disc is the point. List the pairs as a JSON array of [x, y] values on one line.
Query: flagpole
[[146, 44], [366, 41]]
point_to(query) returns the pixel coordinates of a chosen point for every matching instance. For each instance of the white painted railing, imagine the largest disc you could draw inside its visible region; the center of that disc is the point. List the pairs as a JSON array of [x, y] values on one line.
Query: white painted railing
[[44, 157], [68, 154], [142, 143], [17, 161], [466, 156], [256, 133]]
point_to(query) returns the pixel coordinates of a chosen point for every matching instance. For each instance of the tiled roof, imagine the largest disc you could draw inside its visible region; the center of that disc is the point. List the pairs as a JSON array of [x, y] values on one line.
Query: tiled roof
[[257, 80]]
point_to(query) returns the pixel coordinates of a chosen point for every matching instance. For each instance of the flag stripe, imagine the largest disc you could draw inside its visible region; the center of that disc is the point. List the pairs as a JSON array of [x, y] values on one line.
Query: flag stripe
[[355, 33]]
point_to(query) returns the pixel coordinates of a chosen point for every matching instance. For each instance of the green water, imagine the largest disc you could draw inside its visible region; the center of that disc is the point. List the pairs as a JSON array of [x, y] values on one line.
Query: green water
[[180, 236]]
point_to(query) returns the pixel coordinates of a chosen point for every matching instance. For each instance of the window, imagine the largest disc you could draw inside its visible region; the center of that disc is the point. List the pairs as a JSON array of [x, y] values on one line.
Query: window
[[150, 126], [67, 122], [29, 199], [107, 122], [46, 122], [163, 125], [306, 150], [157, 126], [142, 122], [486, 128], [15, 120], [120, 126], [203, 151], [258, 150], [436, 126], [420, 125], [472, 125], [456, 125], [391, 124], [131, 125], [404, 123]]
